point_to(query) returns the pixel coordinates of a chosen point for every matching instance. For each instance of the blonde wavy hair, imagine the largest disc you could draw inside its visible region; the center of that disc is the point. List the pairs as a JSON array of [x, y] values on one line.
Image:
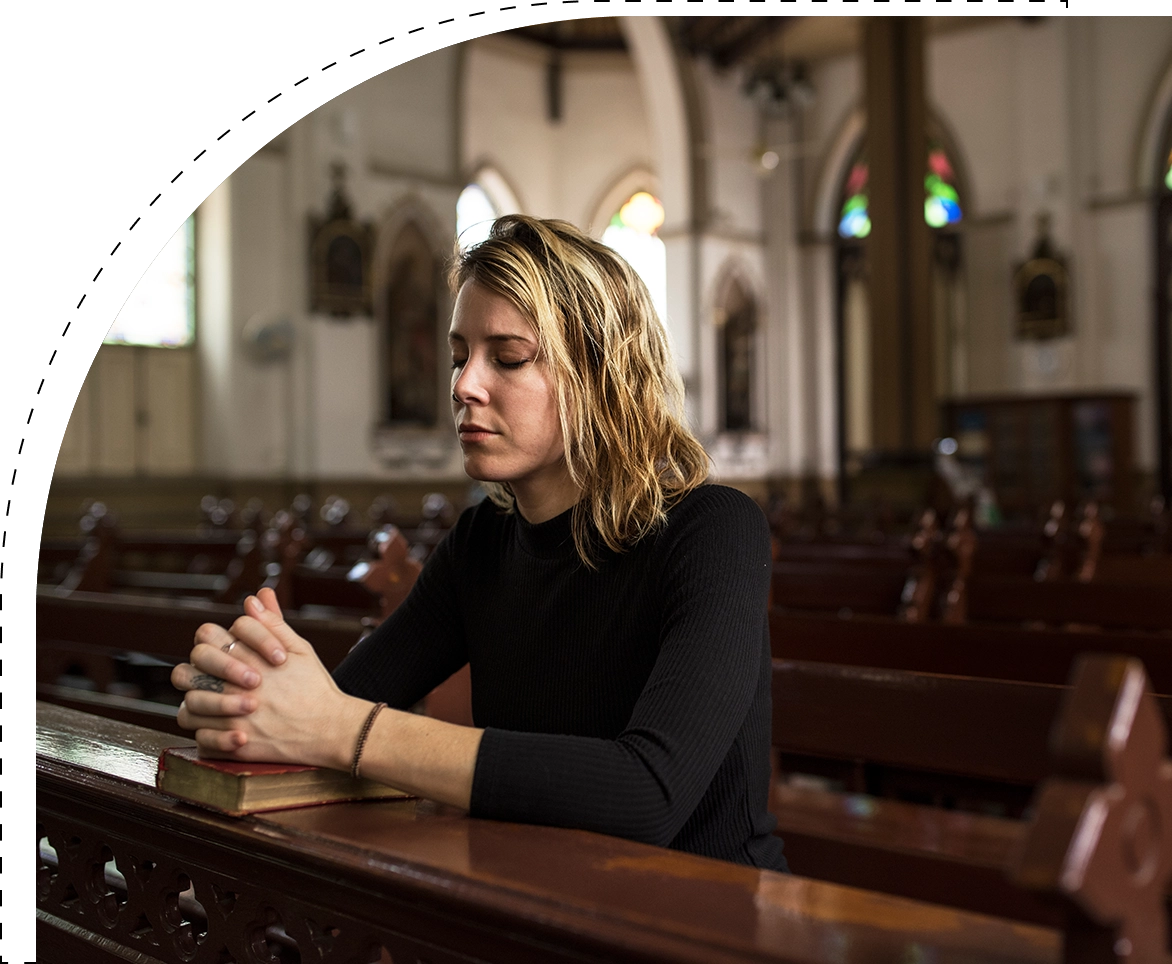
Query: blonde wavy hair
[[619, 394]]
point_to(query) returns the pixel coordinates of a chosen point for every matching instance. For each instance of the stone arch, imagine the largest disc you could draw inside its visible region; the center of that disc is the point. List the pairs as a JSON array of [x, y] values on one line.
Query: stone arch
[[499, 188], [844, 146], [848, 319], [666, 103], [411, 304], [638, 178], [1151, 161], [1157, 119]]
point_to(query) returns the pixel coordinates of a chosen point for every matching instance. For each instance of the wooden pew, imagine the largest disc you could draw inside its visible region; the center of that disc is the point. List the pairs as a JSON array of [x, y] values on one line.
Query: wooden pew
[[217, 565], [125, 872], [103, 633], [884, 579], [920, 723], [1104, 561], [330, 589], [988, 599], [1039, 655], [973, 731]]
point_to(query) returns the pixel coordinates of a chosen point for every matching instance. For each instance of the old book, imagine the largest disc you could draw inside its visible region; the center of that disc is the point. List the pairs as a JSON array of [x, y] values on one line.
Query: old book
[[240, 788]]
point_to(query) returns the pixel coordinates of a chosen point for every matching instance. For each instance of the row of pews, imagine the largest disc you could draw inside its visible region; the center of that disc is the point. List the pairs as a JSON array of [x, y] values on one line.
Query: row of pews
[[910, 754], [312, 563], [1084, 572], [125, 873]]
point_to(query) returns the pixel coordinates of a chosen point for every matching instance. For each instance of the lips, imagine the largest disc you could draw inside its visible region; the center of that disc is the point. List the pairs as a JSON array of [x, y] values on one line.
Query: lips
[[471, 432]]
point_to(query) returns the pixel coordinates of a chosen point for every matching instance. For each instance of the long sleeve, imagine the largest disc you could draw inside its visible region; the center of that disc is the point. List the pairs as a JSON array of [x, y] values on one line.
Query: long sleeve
[[695, 730], [414, 649]]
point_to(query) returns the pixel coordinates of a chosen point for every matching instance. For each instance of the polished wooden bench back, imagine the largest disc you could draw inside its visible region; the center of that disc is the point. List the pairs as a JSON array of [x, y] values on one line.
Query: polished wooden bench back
[[1040, 655], [874, 588], [110, 636], [127, 873], [1110, 605], [988, 730]]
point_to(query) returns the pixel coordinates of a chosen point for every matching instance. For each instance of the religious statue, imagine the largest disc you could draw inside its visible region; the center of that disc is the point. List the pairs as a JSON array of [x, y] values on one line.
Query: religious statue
[[1040, 289]]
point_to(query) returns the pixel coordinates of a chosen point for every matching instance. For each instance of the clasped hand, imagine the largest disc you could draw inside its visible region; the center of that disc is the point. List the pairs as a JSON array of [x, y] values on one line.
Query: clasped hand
[[258, 691]]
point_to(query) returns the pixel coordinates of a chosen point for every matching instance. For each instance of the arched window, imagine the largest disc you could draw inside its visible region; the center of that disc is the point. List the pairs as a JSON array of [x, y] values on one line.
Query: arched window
[[941, 201], [475, 213], [633, 233], [1163, 318], [944, 213], [160, 312]]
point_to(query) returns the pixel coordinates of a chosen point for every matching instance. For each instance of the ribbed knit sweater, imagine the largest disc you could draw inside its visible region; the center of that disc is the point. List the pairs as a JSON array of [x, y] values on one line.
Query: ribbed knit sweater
[[631, 700]]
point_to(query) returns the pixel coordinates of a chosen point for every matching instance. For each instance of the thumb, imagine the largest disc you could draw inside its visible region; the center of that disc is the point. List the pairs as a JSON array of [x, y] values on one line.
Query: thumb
[[268, 599], [264, 608]]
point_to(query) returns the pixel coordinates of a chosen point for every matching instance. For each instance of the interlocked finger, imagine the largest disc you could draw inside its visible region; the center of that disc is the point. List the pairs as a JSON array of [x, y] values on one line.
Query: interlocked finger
[[188, 678], [209, 708], [216, 654]]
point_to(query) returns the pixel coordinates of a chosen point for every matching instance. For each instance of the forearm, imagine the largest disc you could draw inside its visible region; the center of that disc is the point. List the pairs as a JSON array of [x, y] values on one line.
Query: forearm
[[418, 754]]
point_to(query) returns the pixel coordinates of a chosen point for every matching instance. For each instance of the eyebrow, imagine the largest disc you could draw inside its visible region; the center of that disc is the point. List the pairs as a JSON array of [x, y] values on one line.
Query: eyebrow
[[454, 337]]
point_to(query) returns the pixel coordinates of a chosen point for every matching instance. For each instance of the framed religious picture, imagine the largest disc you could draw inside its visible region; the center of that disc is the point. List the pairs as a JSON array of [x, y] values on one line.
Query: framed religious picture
[[340, 252], [1041, 291]]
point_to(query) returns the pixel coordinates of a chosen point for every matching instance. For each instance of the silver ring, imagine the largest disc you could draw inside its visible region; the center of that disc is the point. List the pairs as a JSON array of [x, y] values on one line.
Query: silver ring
[[227, 647]]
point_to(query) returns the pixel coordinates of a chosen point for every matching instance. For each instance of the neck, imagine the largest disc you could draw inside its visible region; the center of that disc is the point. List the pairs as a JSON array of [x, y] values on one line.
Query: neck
[[539, 500]]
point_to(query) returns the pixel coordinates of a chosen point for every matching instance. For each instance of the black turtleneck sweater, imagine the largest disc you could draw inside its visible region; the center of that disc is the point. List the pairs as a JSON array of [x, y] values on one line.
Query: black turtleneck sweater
[[631, 700]]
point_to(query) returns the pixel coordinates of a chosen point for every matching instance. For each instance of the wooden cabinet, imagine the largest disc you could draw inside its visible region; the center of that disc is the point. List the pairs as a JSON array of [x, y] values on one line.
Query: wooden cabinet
[[1034, 449]]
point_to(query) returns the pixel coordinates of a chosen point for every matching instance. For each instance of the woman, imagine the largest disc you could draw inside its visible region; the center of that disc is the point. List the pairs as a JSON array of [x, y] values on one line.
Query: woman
[[612, 606]]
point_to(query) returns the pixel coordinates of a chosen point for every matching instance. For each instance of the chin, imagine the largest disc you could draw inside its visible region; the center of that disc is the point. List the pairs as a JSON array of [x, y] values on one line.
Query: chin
[[482, 470]]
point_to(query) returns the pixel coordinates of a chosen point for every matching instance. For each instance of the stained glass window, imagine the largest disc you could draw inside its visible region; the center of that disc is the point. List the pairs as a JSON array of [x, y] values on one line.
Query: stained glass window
[[160, 312], [854, 221], [475, 213], [633, 233], [941, 202]]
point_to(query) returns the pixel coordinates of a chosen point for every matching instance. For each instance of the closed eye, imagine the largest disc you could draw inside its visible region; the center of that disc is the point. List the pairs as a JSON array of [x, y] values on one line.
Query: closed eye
[[511, 365]]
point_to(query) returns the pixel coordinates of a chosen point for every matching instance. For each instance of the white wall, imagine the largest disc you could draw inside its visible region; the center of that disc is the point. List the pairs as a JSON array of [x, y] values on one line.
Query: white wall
[[1046, 116]]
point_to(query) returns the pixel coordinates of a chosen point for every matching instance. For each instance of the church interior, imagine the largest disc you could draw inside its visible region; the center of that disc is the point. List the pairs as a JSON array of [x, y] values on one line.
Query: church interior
[[822, 354], [917, 276]]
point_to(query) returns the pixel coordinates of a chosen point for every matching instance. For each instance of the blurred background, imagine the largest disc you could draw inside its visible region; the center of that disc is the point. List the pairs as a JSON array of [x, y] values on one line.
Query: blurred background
[[903, 262]]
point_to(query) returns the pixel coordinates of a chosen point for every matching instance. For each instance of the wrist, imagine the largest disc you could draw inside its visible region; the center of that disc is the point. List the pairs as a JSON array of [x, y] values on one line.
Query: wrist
[[351, 718]]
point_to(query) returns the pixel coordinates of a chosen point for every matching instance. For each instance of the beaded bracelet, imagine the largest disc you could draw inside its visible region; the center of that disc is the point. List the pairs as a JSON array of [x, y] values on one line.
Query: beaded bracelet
[[362, 738]]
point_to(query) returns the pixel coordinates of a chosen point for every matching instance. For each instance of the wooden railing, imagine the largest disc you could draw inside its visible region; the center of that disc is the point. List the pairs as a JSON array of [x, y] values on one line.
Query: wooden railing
[[126, 873]]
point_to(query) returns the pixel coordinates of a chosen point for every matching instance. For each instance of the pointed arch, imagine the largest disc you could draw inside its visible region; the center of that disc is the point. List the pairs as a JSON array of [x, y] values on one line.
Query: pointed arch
[[638, 178], [664, 98], [630, 225], [850, 297], [1150, 145], [500, 189], [835, 164], [1156, 179], [845, 146]]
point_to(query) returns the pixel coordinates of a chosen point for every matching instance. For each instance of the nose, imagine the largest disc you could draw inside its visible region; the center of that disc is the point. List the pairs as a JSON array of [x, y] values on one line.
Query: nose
[[468, 385]]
